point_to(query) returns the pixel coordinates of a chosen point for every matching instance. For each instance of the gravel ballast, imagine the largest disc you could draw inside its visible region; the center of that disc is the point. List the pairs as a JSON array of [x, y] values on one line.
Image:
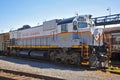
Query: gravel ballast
[[53, 70]]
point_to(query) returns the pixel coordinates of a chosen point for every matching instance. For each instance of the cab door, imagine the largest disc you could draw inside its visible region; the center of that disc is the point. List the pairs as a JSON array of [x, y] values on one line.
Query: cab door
[[75, 30]]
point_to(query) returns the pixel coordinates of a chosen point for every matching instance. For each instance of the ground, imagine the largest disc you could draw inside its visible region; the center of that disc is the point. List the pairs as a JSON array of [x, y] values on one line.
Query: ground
[[53, 70]]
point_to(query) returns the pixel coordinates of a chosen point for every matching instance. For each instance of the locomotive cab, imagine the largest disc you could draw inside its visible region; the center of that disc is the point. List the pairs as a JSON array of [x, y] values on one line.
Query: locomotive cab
[[83, 28], [82, 22], [91, 41]]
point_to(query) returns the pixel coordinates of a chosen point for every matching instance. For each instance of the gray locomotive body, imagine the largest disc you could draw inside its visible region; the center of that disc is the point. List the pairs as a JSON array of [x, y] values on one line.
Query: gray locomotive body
[[71, 41]]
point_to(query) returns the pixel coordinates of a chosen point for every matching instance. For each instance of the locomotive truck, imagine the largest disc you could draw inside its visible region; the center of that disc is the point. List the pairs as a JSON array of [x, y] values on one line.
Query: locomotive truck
[[72, 40]]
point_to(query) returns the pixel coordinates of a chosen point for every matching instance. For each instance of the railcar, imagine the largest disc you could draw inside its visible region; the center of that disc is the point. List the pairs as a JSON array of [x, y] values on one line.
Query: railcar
[[112, 36], [72, 40], [4, 42]]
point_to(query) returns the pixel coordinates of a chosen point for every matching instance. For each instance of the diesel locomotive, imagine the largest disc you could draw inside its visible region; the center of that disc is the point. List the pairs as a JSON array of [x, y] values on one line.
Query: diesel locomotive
[[73, 40]]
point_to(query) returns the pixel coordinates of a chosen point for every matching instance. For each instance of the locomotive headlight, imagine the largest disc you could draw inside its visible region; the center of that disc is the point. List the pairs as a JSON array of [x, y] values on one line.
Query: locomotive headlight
[[107, 50], [102, 55], [94, 49]]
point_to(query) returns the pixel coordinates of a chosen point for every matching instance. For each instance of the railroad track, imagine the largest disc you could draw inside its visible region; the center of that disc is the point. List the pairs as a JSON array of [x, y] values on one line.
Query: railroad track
[[115, 67], [4, 78], [41, 77], [51, 71]]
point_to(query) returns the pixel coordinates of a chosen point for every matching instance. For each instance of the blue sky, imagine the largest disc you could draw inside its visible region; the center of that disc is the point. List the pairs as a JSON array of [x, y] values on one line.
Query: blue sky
[[16, 13]]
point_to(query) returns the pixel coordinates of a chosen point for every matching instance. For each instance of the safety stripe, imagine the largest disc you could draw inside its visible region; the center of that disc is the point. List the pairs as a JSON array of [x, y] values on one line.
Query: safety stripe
[[97, 37], [55, 35], [80, 46], [32, 47], [43, 47]]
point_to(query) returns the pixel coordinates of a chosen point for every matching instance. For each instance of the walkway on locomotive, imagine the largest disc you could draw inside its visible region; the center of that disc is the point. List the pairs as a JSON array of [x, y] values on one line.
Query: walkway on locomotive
[[68, 32]]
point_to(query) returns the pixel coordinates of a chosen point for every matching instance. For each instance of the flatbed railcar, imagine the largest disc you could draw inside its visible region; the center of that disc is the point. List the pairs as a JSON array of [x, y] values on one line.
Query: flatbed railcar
[[72, 40]]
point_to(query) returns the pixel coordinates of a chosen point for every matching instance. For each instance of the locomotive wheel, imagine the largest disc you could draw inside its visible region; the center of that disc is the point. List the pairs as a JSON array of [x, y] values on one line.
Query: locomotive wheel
[[58, 60], [66, 58], [57, 57], [69, 61], [73, 58]]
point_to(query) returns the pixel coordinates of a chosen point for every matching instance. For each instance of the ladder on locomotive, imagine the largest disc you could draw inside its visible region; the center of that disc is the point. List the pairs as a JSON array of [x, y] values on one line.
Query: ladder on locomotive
[[84, 51]]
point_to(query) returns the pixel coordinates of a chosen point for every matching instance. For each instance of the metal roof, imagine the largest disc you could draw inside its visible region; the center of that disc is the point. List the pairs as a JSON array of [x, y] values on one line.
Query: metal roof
[[67, 20]]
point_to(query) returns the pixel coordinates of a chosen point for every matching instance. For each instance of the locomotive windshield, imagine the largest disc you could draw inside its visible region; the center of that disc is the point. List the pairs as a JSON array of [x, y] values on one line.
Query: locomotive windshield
[[82, 24]]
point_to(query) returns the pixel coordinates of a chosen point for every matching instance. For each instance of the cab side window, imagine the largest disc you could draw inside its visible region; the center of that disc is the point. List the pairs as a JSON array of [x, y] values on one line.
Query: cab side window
[[64, 28], [75, 25]]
